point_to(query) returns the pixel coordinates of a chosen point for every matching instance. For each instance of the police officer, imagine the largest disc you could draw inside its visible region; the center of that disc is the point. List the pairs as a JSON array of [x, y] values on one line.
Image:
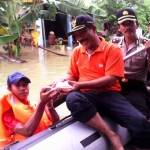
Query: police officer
[[136, 67]]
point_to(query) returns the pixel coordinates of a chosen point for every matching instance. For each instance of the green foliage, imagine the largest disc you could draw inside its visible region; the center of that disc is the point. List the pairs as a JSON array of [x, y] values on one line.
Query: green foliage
[[143, 14], [73, 8], [8, 16], [14, 13], [48, 11], [112, 6], [8, 38], [12, 19], [78, 3]]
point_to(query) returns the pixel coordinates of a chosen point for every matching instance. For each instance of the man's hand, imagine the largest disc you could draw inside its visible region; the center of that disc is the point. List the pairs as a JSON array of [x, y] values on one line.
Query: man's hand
[[75, 85]]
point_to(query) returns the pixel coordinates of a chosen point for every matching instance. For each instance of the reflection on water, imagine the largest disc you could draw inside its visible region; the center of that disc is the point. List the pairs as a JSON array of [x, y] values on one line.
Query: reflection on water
[[41, 67]]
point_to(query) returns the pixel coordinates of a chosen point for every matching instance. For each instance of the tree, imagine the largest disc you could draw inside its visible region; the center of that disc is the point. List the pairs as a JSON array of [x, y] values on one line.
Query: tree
[[14, 13], [142, 10], [9, 20]]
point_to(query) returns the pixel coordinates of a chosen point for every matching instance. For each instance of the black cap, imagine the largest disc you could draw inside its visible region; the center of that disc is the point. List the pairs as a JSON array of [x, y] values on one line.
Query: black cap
[[126, 14], [15, 77], [81, 22]]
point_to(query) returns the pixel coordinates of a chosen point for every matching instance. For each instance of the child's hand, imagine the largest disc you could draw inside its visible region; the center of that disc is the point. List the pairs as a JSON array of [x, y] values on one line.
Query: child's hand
[[47, 94]]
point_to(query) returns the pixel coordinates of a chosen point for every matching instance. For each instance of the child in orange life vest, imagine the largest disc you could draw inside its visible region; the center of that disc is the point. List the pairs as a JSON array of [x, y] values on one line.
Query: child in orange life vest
[[18, 119]]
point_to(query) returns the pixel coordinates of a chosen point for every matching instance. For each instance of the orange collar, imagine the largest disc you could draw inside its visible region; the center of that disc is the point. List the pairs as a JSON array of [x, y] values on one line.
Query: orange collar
[[100, 48]]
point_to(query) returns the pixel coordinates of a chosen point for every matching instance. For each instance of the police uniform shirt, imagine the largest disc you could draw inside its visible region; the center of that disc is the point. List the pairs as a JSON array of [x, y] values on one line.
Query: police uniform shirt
[[136, 66]]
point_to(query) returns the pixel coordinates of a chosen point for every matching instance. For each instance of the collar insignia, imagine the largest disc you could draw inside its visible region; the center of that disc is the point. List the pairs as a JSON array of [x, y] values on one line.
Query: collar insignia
[[125, 13]]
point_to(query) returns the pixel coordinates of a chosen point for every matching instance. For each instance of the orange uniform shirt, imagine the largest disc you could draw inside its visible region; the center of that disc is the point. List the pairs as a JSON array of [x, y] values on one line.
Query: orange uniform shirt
[[107, 59]]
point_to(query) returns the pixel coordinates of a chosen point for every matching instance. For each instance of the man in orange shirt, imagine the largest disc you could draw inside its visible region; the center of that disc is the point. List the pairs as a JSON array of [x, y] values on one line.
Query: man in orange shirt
[[18, 119], [95, 70]]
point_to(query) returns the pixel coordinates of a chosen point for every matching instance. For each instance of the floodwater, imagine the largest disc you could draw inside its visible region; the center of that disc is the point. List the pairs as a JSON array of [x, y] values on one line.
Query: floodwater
[[42, 68]]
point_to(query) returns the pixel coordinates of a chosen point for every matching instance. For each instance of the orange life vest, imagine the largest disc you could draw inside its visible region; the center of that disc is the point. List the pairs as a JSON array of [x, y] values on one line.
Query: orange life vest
[[22, 113]]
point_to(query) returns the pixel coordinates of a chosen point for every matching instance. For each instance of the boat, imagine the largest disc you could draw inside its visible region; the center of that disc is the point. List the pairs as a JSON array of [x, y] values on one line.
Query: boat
[[69, 134]]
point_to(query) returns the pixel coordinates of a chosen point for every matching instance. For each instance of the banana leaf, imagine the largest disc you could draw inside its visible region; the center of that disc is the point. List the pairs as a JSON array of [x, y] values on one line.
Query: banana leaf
[[3, 30], [8, 38]]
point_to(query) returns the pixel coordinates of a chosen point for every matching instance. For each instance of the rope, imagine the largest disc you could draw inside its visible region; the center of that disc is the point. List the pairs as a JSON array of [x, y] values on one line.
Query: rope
[[46, 49]]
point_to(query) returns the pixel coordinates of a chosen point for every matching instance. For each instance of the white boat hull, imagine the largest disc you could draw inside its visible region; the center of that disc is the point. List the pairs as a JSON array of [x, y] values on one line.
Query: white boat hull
[[70, 135]]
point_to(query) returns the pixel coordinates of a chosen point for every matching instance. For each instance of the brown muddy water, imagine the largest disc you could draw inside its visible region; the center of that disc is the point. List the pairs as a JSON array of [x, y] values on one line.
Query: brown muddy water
[[42, 68]]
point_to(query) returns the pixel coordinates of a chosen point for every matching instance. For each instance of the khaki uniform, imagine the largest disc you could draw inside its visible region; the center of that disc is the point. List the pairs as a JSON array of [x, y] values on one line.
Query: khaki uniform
[[136, 70], [136, 67]]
